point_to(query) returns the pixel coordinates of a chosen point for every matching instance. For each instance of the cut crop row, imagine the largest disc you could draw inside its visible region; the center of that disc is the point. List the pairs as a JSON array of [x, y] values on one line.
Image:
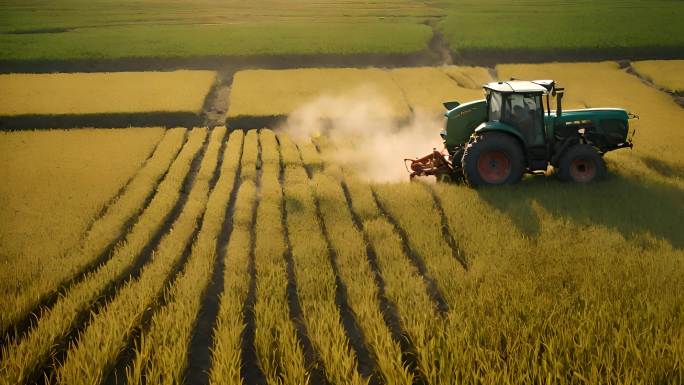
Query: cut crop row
[[280, 356], [161, 357], [22, 359], [227, 360], [102, 233], [316, 288], [354, 270], [414, 210], [91, 358]]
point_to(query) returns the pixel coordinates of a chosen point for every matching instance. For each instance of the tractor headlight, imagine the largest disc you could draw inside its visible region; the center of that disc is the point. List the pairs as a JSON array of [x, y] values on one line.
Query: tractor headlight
[[443, 134]]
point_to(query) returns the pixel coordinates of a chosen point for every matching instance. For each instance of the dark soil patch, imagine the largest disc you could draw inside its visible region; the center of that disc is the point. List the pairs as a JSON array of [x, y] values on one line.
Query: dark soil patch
[[110, 120], [491, 57], [38, 31], [255, 122], [422, 58]]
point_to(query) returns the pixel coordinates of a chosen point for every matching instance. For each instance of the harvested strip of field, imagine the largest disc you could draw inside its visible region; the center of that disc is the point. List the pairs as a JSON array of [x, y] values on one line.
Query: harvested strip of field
[[103, 233], [23, 357], [280, 356], [227, 358], [276, 93], [351, 262], [165, 344], [102, 93], [606, 85], [316, 287], [426, 88], [54, 185], [404, 287], [668, 74], [89, 361], [413, 209]]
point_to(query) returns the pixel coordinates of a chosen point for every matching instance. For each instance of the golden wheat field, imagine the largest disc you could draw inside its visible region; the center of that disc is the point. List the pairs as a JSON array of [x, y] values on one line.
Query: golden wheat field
[[668, 74], [103, 93], [223, 256]]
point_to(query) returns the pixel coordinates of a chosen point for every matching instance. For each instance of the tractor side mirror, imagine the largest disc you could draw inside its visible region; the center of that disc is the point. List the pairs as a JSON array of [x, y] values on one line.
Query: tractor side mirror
[[451, 105]]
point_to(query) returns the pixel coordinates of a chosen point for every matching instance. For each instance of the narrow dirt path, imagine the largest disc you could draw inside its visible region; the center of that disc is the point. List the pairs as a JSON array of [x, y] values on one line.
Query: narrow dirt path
[[627, 65]]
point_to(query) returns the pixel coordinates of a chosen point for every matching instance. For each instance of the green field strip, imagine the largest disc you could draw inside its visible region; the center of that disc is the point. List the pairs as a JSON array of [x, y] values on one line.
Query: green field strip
[[280, 356], [316, 287], [161, 356], [91, 358], [414, 210], [102, 234], [355, 273], [24, 357], [227, 358]]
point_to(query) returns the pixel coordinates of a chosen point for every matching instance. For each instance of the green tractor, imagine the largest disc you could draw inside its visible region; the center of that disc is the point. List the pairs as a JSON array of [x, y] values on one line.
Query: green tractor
[[495, 140]]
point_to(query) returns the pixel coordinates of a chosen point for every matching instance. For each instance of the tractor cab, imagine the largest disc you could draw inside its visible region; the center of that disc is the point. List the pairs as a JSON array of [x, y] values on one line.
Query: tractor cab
[[513, 131]]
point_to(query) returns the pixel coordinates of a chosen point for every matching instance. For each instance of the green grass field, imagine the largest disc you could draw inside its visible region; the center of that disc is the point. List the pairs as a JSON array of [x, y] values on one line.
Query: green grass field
[[555, 26], [106, 29]]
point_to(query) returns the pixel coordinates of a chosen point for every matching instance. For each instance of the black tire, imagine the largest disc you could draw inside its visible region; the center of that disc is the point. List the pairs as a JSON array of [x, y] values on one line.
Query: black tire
[[581, 163], [493, 158]]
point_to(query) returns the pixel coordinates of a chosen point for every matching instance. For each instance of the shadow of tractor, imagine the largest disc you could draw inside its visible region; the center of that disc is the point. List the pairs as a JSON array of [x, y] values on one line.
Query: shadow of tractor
[[628, 204]]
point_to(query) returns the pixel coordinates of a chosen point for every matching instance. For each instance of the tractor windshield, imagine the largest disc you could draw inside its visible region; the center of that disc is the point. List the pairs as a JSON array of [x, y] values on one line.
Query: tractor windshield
[[494, 105]]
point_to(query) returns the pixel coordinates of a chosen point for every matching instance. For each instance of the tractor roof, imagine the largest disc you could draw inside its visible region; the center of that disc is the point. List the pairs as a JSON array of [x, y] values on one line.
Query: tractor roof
[[522, 86]]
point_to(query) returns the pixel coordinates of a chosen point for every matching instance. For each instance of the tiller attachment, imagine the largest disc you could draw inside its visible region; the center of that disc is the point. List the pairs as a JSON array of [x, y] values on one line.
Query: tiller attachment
[[434, 163]]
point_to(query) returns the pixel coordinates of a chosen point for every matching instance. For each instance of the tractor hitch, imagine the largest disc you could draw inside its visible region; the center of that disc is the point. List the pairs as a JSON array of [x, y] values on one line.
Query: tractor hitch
[[434, 163]]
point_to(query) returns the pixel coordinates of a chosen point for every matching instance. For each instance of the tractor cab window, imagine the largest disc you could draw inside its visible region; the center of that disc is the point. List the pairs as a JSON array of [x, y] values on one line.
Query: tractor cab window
[[525, 112], [494, 106]]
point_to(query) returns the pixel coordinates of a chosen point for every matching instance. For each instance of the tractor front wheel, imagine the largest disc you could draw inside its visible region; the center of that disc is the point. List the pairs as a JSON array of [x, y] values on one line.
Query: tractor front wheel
[[581, 163], [493, 158]]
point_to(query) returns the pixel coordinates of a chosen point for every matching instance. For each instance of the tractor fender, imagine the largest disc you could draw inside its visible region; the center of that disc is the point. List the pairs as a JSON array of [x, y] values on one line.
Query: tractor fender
[[499, 127], [496, 126], [563, 148]]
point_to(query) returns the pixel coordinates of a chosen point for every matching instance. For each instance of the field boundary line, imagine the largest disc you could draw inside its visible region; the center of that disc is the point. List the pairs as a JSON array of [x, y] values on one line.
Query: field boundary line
[[456, 252], [627, 66]]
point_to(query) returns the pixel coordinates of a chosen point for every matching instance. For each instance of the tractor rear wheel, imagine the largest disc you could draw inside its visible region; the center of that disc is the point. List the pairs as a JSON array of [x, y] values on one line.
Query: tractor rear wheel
[[493, 158], [581, 163]]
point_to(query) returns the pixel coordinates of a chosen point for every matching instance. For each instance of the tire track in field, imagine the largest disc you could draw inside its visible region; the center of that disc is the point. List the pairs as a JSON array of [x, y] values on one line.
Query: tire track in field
[[251, 372], [417, 260], [367, 366], [199, 349], [456, 251], [126, 357], [47, 374], [388, 309], [314, 366], [25, 324], [627, 65]]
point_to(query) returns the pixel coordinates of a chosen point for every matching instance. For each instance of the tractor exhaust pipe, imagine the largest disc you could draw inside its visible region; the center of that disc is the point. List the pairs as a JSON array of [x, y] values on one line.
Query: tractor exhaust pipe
[[559, 98]]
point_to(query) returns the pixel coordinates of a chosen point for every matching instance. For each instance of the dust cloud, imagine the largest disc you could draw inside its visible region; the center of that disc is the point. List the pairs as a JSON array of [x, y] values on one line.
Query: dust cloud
[[368, 136]]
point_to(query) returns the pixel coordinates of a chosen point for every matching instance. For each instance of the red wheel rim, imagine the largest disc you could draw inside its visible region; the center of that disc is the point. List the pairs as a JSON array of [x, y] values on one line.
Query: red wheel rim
[[582, 170], [494, 166]]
